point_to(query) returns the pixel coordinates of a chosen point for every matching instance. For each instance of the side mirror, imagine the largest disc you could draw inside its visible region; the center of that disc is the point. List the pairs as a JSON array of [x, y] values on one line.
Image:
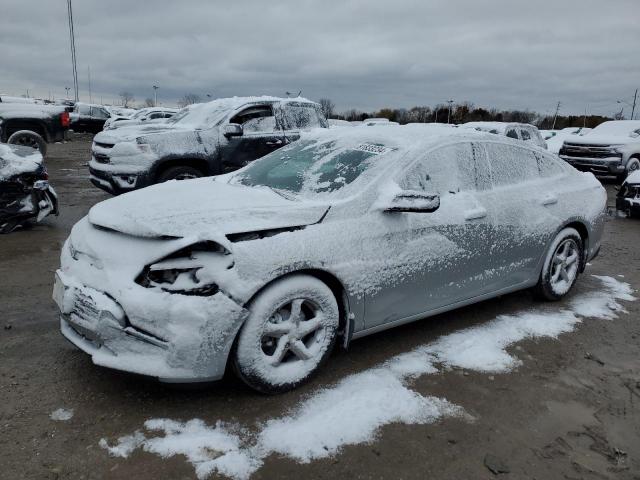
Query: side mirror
[[414, 201], [233, 130]]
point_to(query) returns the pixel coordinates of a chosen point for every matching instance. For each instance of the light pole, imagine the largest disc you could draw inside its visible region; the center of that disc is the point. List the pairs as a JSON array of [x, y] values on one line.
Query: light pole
[[155, 95], [67, 89], [633, 106], [450, 102]]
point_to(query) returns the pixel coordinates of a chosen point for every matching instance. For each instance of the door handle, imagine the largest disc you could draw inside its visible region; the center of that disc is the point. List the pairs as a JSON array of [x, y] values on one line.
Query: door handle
[[475, 213], [274, 142], [549, 200]]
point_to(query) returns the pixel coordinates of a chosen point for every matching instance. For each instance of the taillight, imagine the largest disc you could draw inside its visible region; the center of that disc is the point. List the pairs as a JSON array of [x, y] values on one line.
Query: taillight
[[64, 119]]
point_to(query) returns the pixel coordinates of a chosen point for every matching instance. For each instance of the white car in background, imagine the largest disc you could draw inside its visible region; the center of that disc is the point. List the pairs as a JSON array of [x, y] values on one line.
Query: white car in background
[[518, 131], [555, 138], [144, 115]]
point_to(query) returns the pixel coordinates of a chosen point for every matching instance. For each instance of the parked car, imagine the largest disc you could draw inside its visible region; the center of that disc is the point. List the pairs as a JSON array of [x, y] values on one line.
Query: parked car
[[25, 193], [10, 99], [33, 125], [89, 118], [144, 115], [518, 131], [203, 139], [344, 233], [555, 138], [612, 148], [337, 123], [628, 197]]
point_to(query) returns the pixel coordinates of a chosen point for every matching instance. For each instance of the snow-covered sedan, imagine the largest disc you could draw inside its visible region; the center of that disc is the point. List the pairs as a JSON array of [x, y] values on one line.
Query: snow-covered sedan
[[343, 233], [144, 115], [523, 131]]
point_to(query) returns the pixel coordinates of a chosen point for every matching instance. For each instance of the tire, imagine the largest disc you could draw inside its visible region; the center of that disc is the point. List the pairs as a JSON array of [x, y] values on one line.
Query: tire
[[564, 255], [29, 138], [179, 173], [632, 166], [293, 350]]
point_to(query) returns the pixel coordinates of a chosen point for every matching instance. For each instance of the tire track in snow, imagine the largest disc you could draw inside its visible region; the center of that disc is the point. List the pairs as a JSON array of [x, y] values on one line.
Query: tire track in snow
[[353, 410]]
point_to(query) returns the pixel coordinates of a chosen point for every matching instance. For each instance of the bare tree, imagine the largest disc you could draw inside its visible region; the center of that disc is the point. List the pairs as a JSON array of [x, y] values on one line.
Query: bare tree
[[189, 99], [126, 97], [149, 102], [327, 107]]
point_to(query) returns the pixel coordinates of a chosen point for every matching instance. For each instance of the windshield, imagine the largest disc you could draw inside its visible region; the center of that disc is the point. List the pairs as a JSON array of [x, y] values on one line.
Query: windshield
[[310, 168], [200, 116]]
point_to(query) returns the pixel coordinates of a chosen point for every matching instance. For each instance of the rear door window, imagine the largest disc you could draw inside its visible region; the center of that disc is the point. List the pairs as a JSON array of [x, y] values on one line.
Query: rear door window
[[512, 133], [549, 166], [510, 164], [525, 134]]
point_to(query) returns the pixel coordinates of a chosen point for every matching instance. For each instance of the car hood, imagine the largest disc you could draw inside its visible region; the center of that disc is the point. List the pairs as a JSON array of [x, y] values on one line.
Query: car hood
[[595, 139], [131, 132], [205, 208]]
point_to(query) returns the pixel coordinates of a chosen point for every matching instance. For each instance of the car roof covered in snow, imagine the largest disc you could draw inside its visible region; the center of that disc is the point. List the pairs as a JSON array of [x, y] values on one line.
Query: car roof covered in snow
[[402, 137], [500, 127]]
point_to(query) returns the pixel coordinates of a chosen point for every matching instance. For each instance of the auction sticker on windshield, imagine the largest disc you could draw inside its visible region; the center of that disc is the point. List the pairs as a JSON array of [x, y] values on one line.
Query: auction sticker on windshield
[[371, 148]]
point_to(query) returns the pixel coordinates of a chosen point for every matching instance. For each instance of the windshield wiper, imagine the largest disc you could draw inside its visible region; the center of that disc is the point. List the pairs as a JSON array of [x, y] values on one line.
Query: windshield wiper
[[288, 195]]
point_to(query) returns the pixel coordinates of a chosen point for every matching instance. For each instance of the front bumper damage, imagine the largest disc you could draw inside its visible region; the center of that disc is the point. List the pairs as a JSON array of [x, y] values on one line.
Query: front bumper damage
[[191, 344], [20, 203]]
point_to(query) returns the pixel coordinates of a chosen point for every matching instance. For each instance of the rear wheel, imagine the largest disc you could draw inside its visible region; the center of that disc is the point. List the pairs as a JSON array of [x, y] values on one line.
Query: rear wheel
[[179, 173], [289, 334], [561, 266], [28, 138]]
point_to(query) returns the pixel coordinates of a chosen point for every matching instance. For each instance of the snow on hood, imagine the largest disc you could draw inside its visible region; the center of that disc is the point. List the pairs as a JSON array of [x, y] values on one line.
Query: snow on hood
[[15, 159], [131, 132], [204, 208], [634, 177], [614, 132]]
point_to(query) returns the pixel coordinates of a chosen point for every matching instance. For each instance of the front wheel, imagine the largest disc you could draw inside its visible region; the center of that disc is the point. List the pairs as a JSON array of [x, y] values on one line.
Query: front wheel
[[632, 166], [28, 138], [179, 173], [290, 332], [561, 266]]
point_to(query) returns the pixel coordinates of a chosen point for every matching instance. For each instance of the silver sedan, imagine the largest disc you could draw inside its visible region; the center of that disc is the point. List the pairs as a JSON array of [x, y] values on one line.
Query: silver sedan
[[338, 235]]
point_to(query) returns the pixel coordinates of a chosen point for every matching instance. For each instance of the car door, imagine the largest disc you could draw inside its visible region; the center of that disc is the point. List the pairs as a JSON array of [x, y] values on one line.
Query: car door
[[98, 117], [260, 136], [430, 260], [514, 196]]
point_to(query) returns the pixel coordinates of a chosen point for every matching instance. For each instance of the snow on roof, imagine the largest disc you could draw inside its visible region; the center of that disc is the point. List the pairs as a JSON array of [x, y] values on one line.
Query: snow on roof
[[210, 112], [15, 159], [29, 110], [616, 127]]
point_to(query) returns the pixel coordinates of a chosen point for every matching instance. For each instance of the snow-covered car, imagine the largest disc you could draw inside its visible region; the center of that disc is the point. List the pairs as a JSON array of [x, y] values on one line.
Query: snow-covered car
[[144, 115], [343, 233], [337, 123], [612, 148], [555, 138], [628, 197], [25, 193], [521, 131], [202, 139], [370, 122], [33, 125]]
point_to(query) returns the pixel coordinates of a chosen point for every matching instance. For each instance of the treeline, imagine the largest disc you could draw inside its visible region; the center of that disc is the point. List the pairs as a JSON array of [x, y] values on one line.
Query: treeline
[[466, 112]]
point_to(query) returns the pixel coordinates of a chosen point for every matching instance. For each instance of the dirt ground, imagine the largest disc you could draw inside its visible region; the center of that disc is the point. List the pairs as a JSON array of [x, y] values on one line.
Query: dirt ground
[[571, 411]]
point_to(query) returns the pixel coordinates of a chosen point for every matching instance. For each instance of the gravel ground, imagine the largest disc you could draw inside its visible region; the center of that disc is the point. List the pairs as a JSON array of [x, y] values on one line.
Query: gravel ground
[[572, 410]]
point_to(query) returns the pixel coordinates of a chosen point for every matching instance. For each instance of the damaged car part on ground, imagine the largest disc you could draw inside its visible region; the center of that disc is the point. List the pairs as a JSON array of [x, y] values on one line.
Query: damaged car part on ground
[[200, 140], [628, 197], [342, 234], [25, 193]]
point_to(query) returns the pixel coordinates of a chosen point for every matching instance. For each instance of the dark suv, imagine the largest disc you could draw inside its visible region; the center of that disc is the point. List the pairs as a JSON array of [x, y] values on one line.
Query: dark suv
[[200, 140]]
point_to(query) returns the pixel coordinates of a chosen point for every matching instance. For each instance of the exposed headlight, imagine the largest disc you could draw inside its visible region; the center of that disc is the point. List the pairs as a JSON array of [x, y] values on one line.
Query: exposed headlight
[[189, 271]]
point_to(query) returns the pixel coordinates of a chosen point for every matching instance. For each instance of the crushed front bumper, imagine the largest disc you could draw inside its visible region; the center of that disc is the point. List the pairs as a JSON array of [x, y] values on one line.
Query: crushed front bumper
[[195, 349]]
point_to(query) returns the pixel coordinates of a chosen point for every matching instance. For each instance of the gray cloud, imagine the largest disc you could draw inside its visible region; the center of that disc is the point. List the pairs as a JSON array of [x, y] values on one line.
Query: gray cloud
[[363, 54]]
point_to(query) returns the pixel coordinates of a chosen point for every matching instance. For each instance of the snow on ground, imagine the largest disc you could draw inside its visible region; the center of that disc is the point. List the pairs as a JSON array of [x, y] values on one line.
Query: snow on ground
[[61, 414], [353, 411]]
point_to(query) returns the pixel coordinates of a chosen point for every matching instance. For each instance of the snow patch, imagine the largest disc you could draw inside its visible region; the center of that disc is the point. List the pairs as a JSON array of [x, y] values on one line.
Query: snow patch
[[61, 414], [353, 411]]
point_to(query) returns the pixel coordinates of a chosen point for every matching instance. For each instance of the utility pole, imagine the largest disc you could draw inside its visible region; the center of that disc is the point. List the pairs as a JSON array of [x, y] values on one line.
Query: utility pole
[[155, 95], [555, 117], [450, 102], [633, 108], [67, 89], [89, 75], [73, 50]]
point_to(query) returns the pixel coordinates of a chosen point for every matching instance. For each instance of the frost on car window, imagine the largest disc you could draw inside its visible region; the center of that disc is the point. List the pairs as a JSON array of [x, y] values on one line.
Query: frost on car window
[[510, 164], [549, 166], [261, 124], [525, 134], [447, 169], [302, 117], [511, 133], [308, 167]]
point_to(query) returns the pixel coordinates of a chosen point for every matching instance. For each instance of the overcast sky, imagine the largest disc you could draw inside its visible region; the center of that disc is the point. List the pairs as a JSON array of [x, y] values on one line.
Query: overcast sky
[[361, 54]]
